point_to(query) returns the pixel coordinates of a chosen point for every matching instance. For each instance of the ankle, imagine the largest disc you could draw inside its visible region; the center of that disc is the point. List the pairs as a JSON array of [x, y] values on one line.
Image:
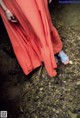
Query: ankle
[[60, 53]]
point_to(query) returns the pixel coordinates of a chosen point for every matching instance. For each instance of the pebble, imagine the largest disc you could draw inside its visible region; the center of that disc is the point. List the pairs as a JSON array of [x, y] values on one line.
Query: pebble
[[57, 111], [54, 109], [41, 89], [70, 62], [78, 83]]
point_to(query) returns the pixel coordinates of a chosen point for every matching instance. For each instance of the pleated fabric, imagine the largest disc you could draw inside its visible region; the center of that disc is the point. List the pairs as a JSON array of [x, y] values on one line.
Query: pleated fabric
[[34, 38]]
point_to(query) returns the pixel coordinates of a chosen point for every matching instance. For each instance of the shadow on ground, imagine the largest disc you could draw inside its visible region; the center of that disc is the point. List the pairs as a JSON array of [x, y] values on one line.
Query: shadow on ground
[[38, 95]]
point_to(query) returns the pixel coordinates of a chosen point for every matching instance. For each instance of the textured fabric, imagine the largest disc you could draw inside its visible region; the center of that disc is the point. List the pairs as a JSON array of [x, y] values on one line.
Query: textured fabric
[[33, 37]]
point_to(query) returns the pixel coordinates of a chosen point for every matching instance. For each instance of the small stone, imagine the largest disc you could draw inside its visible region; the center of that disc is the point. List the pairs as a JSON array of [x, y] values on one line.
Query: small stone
[[41, 89], [70, 62], [64, 81], [57, 111], [71, 99], [68, 89], [78, 83], [54, 109]]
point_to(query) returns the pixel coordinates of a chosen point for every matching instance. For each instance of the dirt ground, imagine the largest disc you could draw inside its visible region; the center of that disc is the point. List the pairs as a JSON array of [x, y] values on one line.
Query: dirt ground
[[37, 95]]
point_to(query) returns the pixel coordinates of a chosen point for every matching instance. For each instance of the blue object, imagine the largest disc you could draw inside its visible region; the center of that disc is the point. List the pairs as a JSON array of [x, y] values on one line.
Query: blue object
[[70, 1]]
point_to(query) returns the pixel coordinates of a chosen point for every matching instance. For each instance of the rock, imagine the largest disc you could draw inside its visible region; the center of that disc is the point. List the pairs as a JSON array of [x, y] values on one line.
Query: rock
[[78, 83]]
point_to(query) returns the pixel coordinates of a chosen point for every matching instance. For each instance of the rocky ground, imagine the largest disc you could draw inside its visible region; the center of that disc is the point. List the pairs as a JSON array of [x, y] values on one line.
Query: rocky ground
[[38, 95]]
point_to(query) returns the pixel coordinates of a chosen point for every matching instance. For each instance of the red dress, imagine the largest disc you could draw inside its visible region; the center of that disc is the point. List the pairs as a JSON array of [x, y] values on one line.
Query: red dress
[[34, 38]]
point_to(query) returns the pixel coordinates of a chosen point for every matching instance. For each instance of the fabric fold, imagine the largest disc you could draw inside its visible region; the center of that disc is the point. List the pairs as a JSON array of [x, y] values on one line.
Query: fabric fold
[[34, 38]]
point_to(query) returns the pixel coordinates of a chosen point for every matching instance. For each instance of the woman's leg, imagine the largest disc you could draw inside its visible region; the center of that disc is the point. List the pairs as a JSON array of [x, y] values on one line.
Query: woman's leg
[[57, 44]]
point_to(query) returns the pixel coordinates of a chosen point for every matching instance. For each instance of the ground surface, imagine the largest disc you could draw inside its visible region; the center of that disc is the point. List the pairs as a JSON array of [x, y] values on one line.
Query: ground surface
[[38, 95]]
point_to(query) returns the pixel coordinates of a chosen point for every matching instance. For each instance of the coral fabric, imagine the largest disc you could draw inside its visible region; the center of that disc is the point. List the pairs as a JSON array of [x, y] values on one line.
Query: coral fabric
[[33, 37]]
